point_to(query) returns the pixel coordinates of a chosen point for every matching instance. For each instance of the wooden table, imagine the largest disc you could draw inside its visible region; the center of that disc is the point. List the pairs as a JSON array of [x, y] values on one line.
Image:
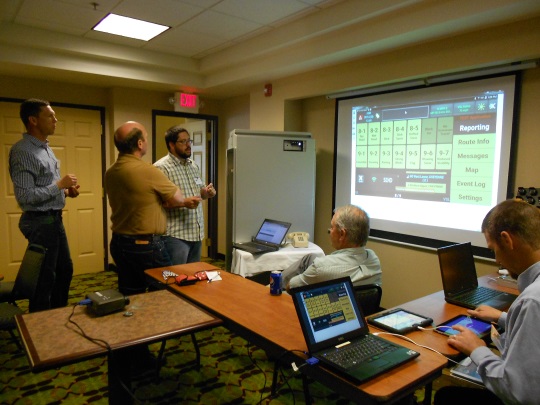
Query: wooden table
[[435, 307], [50, 341], [271, 323]]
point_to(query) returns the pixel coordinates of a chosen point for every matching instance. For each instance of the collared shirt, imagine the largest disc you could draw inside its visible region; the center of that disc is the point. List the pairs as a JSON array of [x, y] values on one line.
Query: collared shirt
[[34, 171], [513, 376], [361, 264], [183, 223]]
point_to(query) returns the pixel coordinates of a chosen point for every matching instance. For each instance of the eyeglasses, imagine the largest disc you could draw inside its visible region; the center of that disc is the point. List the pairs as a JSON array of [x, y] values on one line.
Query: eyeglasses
[[185, 141]]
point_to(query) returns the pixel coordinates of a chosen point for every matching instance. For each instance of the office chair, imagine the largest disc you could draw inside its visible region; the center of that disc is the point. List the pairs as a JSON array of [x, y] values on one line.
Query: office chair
[[368, 297], [24, 287]]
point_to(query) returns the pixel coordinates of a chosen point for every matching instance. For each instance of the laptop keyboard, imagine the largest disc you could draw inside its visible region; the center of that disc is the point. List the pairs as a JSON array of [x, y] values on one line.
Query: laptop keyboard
[[477, 296], [366, 349]]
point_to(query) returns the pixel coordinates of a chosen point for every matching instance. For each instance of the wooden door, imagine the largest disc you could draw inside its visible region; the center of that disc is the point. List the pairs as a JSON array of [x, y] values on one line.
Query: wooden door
[[77, 145]]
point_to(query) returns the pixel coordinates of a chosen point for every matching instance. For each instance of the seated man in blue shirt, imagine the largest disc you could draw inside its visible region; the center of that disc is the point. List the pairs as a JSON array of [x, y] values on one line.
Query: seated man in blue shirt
[[349, 234], [512, 231]]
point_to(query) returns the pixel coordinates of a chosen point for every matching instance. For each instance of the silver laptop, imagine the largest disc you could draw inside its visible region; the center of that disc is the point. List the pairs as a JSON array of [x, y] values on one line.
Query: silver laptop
[[269, 238], [460, 282], [337, 334]]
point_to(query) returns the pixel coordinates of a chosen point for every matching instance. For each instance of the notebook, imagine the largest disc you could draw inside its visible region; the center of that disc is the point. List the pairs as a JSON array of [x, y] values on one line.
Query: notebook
[[460, 282], [334, 326], [269, 238]]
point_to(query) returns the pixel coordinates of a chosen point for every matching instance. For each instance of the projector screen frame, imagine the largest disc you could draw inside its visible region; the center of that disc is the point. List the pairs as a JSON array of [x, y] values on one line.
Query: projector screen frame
[[420, 241]]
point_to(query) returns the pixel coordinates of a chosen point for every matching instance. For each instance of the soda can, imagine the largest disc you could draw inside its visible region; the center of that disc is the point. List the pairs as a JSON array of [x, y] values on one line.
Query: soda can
[[275, 283]]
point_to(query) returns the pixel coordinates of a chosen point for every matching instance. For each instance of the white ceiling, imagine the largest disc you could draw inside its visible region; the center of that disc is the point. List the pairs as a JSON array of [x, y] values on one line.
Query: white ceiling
[[221, 47]]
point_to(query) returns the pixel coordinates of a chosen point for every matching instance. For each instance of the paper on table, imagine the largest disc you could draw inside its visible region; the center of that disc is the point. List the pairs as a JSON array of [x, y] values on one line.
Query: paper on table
[[213, 276]]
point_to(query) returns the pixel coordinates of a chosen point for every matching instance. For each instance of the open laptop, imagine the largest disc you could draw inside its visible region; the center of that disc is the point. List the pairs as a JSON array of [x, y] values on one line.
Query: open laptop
[[269, 238], [460, 282], [333, 325]]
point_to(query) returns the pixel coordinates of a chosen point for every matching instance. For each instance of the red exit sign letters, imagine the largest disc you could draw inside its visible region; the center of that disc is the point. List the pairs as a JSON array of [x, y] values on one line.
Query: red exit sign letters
[[188, 100]]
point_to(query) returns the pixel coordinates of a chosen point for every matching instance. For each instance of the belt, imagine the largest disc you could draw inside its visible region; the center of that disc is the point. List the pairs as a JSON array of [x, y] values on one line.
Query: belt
[[147, 237], [52, 213]]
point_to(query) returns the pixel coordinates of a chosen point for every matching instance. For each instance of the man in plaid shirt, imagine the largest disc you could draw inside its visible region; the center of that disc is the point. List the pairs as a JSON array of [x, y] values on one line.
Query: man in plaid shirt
[[185, 225]]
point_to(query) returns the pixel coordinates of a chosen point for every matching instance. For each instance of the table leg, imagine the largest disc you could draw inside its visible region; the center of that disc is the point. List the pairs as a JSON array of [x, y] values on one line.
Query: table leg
[[274, 379], [119, 377], [428, 389], [305, 384]]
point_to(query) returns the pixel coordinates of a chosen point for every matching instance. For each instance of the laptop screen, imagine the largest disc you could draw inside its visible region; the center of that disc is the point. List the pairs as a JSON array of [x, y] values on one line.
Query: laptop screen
[[458, 271], [328, 313], [272, 231]]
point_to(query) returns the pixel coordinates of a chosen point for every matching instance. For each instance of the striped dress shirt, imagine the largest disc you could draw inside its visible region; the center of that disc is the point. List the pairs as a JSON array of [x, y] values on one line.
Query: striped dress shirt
[[34, 171]]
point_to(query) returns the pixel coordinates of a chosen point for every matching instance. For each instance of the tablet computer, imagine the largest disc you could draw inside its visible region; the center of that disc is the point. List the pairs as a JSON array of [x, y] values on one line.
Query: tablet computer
[[399, 320], [478, 326]]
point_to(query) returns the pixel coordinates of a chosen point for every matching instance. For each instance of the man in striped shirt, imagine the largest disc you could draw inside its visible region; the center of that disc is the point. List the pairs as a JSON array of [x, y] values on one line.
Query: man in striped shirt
[[185, 226], [41, 193]]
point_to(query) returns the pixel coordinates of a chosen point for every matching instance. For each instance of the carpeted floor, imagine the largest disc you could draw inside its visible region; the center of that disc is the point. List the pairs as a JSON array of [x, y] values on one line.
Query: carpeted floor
[[232, 371]]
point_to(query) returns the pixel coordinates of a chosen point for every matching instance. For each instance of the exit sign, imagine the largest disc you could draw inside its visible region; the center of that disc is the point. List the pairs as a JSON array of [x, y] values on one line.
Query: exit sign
[[186, 102]]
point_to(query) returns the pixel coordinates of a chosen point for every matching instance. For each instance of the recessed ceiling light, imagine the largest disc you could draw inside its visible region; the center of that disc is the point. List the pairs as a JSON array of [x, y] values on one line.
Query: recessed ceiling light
[[130, 27]]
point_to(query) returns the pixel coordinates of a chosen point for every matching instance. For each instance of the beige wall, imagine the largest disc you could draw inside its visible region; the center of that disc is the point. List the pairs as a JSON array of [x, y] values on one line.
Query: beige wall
[[298, 103], [408, 272]]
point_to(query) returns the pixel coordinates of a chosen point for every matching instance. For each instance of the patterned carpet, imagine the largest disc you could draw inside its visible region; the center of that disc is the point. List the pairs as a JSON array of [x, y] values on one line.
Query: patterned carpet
[[232, 371]]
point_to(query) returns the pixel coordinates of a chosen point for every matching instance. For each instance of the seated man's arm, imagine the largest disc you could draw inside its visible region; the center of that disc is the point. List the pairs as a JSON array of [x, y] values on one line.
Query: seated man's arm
[[309, 276]]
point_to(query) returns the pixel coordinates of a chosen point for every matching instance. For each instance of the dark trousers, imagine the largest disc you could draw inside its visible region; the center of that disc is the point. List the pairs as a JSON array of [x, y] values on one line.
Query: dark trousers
[[132, 256], [182, 251], [47, 229]]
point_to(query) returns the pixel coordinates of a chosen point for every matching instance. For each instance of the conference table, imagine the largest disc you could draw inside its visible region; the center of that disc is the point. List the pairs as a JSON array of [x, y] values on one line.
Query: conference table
[[270, 322], [435, 307], [50, 340]]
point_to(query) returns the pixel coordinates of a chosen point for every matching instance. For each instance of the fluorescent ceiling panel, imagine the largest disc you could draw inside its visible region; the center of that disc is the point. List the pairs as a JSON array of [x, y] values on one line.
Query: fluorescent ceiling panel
[[129, 27]]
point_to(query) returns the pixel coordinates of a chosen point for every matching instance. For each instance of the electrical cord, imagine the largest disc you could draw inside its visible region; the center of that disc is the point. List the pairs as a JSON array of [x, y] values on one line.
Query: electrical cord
[[257, 366], [285, 377], [415, 343], [99, 342]]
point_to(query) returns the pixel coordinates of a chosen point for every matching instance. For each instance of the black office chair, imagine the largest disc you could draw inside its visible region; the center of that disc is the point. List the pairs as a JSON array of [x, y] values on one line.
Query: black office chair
[[368, 297], [24, 287]]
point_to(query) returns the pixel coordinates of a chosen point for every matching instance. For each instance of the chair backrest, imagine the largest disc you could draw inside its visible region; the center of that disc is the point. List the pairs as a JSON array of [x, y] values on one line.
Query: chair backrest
[[29, 272], [368, 297]]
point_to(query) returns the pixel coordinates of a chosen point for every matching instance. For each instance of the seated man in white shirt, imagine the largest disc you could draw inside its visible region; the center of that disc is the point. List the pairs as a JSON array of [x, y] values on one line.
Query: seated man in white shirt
[[349, 234]]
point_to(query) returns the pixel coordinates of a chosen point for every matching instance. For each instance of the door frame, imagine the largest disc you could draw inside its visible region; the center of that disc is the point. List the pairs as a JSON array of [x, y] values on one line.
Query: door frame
[[211, 167], [103, 162]]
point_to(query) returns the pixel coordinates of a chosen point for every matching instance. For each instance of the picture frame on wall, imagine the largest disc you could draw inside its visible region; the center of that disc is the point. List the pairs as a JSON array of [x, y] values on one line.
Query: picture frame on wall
[[197, 138]]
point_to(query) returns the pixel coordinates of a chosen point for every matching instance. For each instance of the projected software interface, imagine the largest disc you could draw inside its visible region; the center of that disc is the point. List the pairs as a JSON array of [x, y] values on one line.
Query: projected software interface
[[443, 150]]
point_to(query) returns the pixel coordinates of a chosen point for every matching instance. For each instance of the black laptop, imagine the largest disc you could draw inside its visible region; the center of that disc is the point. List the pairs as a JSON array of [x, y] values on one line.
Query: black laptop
[[337, 334], [269, 238], [460, 282]]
